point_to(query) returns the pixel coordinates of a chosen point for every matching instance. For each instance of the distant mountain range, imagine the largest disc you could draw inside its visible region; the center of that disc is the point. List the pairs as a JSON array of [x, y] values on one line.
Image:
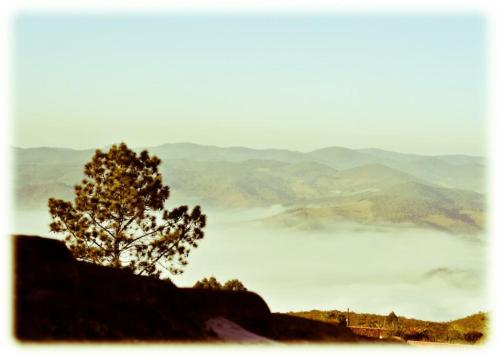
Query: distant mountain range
[[326, 185]]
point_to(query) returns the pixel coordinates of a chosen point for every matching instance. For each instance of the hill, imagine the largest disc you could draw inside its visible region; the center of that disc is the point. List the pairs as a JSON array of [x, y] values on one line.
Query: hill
[[366, 185], [470, 329], [454, 211], [59, 299], [32, 196], [373, 178], [453, 171], [450, 210]]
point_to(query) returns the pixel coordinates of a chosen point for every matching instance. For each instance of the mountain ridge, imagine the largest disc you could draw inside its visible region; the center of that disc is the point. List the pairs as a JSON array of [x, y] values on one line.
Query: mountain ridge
[[229, 178], [187, 143]]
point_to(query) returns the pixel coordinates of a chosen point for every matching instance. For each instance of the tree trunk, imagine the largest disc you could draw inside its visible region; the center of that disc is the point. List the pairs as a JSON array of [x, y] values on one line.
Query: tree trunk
[[116, 254]]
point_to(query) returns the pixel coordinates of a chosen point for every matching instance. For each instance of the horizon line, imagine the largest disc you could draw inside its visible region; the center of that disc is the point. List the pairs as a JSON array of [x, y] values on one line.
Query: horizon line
[[243, 147]]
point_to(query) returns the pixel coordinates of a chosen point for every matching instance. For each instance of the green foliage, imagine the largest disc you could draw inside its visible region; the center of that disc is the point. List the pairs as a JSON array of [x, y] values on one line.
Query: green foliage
[[391, 323], [380, 189], [392, 317], [342, 320], [473, 336], [208, 283], [470, 329], [212, 283], [234, 285], [118, 218], [454, 334]]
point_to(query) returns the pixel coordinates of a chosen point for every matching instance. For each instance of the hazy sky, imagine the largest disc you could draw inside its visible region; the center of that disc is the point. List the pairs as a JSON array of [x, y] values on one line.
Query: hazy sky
[[404, 83]]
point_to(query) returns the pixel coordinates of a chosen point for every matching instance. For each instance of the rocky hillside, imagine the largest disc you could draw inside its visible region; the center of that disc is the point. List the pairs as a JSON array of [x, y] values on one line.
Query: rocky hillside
[[60, 299]]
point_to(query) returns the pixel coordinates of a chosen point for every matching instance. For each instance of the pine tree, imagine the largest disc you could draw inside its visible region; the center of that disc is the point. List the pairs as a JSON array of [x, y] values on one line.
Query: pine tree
[[118, 217]]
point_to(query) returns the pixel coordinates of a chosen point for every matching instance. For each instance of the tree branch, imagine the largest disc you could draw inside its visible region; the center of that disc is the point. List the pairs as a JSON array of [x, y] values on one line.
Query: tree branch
[[167, 250], [128, 222], [143, 236], [104, 228], [74, 235]]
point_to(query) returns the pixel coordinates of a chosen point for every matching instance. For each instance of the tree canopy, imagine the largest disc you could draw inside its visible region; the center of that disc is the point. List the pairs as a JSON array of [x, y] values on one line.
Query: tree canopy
[[234, 285], [392, 317], [212, 283], [118, 217], [208, 283]]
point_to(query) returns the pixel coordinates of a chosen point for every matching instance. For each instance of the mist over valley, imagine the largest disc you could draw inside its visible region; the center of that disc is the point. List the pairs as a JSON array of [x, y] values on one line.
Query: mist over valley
[[368, 230]]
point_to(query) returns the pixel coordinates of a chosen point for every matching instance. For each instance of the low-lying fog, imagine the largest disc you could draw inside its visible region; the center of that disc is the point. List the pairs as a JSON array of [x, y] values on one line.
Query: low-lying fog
[[416, 273]]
